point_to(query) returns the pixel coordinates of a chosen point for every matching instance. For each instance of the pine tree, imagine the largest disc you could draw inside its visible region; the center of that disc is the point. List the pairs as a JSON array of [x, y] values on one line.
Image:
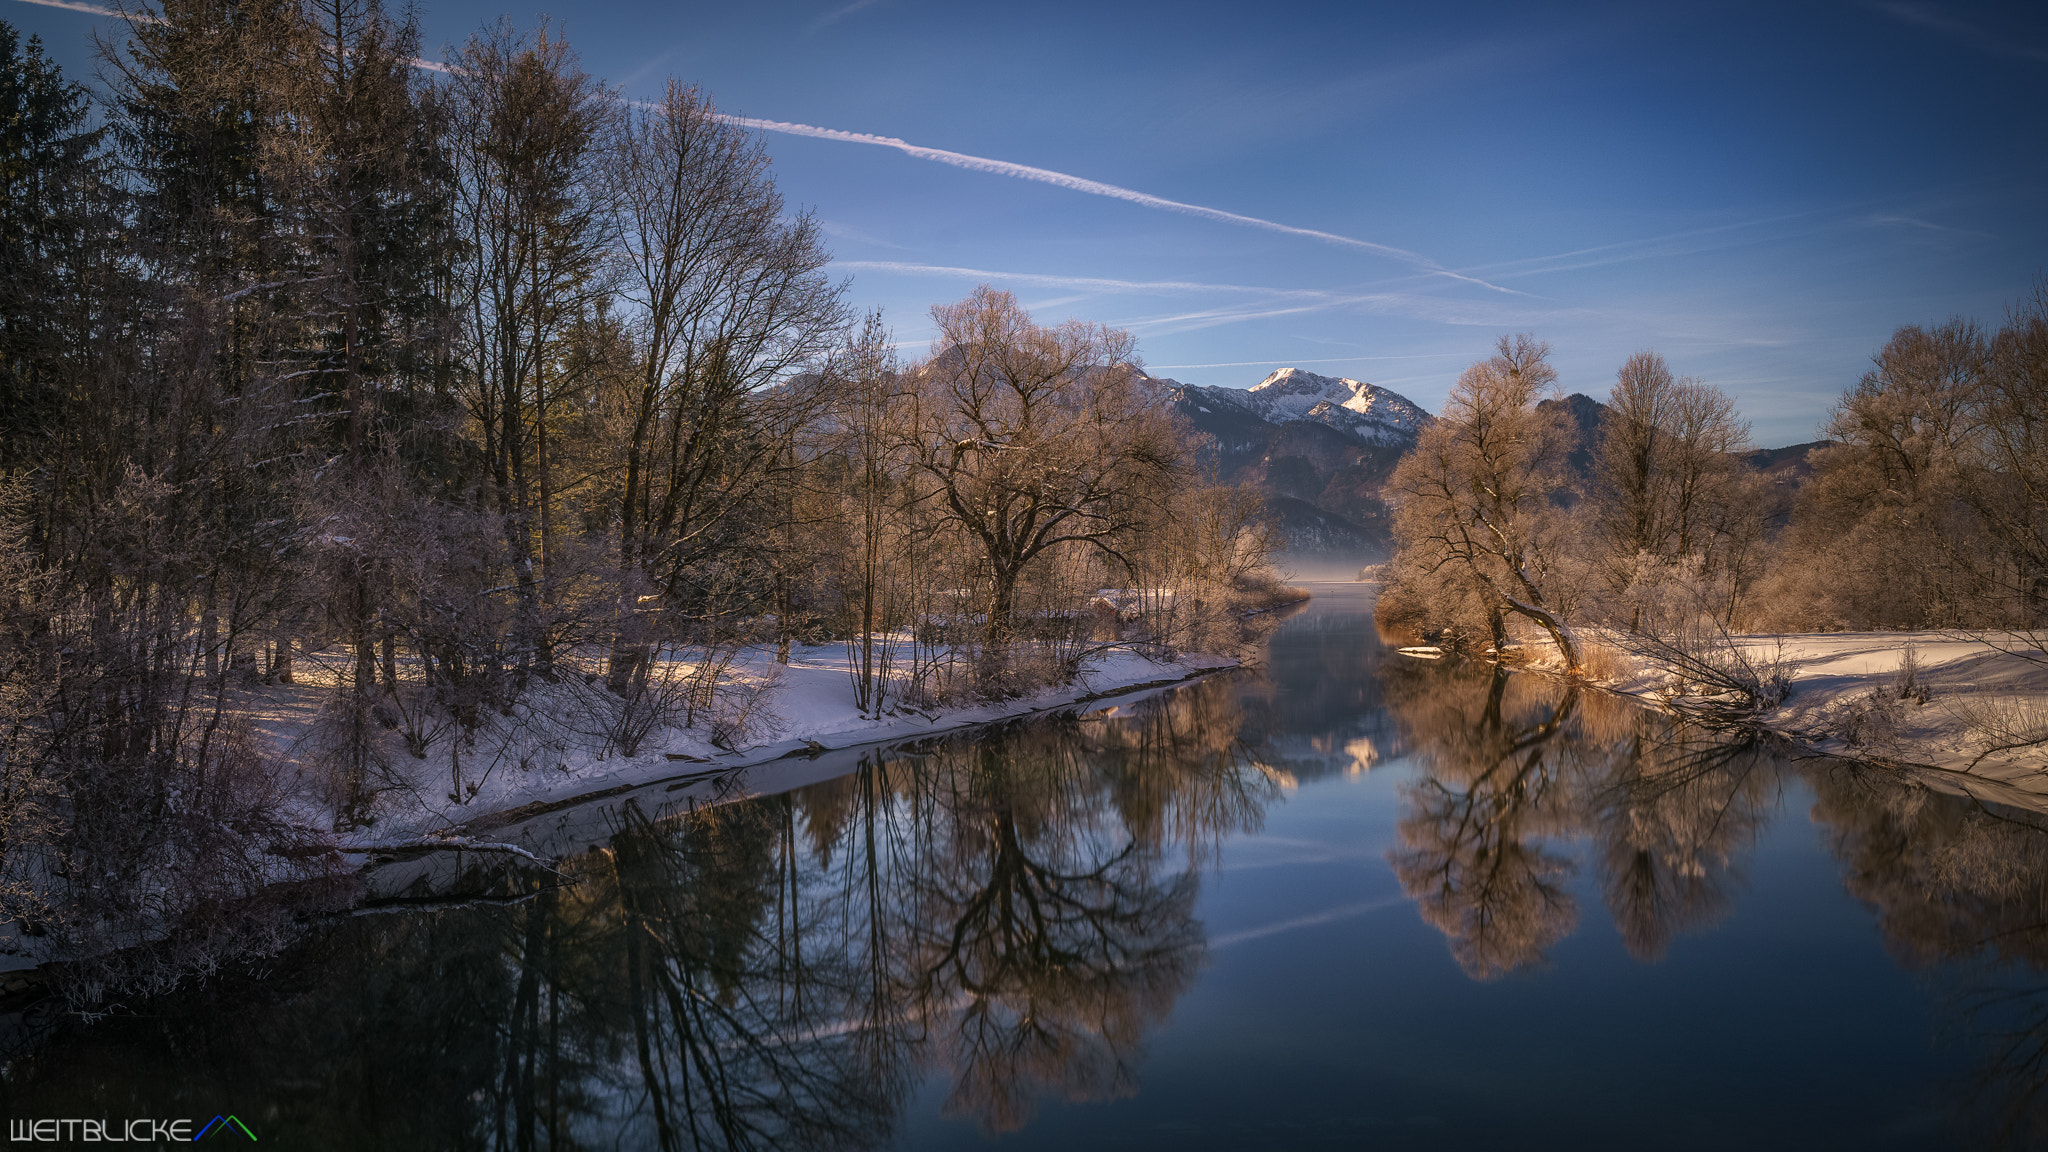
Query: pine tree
[[48, 191]]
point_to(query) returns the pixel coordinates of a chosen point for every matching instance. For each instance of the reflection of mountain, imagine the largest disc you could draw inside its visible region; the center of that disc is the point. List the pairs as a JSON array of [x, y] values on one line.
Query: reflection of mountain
[[1319, 447], [1010, 910], [1315, 709]]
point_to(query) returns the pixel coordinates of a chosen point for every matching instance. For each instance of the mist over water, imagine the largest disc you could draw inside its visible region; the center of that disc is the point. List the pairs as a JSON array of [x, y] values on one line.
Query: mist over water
[[1346, 899]]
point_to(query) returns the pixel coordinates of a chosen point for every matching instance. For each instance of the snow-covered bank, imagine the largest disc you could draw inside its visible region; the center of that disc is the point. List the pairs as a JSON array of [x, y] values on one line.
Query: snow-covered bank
[[495, 847], [805, 708], [1921, 699]]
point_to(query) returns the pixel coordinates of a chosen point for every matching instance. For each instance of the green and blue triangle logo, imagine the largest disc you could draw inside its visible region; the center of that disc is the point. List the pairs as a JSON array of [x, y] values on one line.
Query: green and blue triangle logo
[[225, 1124]]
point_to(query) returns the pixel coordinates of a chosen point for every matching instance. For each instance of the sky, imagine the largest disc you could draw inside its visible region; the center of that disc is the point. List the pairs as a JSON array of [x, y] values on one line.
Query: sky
[[1761, 192]]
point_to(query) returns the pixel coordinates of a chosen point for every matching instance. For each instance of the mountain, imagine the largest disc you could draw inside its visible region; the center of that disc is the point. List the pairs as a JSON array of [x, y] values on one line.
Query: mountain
[[1365, 412], [1319, 447], [1787, 468], [1790, 465], [1583, 415]]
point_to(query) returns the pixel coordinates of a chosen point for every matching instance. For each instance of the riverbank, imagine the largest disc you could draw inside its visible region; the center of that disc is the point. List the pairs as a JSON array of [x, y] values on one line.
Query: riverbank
[[1926, 700], [535, 762], [521, 820], [495, 854]]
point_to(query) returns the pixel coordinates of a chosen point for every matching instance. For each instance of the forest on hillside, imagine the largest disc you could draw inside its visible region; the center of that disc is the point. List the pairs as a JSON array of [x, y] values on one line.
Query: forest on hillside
[[463, 389]]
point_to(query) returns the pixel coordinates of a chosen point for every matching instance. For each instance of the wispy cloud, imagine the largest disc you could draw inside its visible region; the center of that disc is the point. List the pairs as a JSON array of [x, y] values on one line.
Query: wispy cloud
[[1688, 242], [73, 6], [1074, 183], [1211, 318], [837, 14], [1267, 303], [1894, 220], [1264, 304], [640, 73], [1052, 281], [1413, 306], [1055, 302], [857, 235], [1928, 16]]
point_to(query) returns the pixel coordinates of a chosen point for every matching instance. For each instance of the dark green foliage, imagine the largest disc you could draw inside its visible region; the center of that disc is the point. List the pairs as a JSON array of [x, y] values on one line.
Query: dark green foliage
[[48, 195]]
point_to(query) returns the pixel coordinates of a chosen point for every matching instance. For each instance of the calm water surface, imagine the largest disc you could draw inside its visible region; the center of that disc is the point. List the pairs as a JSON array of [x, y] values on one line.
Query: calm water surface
[[1354, 901]]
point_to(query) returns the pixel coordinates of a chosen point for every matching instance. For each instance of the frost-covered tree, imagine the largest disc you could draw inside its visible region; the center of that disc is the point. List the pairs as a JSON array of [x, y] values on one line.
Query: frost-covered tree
[[1475, 494], [1679, 514], [1031, 443]]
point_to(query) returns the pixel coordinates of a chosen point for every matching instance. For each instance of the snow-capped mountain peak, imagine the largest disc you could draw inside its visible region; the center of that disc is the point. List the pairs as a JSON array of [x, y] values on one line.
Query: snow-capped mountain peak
[[1367, 411]]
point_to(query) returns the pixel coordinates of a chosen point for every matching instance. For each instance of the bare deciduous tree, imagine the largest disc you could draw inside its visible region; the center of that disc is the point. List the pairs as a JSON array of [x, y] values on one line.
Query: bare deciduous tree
[[1475, 494], [1673, 501], [527, 132], [1030, 440], [729, 297]]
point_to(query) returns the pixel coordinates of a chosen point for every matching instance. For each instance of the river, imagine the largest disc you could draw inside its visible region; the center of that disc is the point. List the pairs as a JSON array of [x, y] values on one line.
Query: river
[[1351, 899]]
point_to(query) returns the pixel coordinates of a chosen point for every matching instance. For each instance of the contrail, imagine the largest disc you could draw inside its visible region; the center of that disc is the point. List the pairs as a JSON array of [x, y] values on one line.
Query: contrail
[[1017, 171], [1098, 188], [74, 7], [1077, 281]]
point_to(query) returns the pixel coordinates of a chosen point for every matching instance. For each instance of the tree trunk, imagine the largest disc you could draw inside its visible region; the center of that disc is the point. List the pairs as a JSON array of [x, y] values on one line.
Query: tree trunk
[[1000, 629], [782, 628]]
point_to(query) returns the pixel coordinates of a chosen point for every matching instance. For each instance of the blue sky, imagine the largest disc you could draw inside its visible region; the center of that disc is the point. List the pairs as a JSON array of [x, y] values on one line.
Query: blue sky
[[1760, 192]]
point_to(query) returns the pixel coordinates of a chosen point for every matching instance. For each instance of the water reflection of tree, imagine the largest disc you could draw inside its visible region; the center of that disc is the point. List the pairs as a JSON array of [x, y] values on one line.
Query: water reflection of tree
[[1494, 787], [1674, 808], [1960, 888], [1046, 937], [1513, 767], [1012, 912]]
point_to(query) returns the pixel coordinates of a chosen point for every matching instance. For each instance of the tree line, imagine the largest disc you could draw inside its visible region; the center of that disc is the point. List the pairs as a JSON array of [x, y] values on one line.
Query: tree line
[[1927, 507], [470, 391]]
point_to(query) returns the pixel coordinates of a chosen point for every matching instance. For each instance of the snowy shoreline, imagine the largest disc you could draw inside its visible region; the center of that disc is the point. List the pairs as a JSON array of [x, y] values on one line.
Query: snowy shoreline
[[456, 851], [823, 719], [533, 757], [1859, 696], [487, 851]]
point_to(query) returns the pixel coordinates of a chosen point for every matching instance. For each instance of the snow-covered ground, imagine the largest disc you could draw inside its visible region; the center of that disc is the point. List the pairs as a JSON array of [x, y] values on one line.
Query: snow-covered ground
[[1929, 699], [531, 760]]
